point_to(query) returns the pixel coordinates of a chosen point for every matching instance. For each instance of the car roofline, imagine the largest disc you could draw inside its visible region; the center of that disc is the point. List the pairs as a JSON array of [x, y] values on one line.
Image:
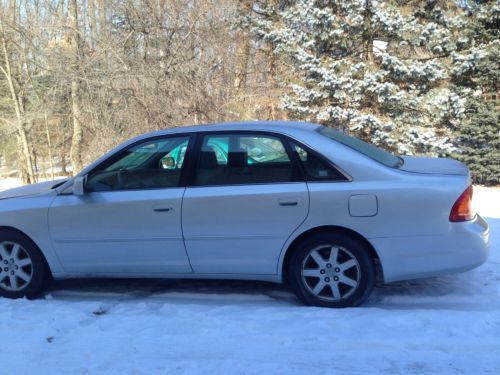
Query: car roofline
[[278, 126], [282, 127]]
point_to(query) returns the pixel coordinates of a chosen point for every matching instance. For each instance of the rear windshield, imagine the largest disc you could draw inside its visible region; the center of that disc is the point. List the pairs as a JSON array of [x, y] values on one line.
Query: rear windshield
[[367, 149]]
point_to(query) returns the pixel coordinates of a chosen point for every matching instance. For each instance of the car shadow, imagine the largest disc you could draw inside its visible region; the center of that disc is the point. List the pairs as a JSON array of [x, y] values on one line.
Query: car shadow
[[424, 293], [172, 290]]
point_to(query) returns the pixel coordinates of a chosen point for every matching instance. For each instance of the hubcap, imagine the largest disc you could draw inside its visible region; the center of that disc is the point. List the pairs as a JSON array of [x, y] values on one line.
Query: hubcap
[[331, 273], [16, 267]]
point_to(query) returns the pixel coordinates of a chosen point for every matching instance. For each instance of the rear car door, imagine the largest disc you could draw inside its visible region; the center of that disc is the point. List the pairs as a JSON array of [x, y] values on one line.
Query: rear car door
[[129, 219], [246, 198]]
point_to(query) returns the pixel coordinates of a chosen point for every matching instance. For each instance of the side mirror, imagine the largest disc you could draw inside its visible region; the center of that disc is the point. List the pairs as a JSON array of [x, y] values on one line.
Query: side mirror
[[167, 162], [79, 185]]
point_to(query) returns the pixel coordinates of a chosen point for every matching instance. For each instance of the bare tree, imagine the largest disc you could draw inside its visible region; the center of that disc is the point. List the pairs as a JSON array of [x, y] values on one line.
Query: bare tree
[[94, 73], [17, 93]]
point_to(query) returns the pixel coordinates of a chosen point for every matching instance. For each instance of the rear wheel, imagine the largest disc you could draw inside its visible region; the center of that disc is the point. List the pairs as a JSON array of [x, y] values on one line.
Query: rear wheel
[[331, 270], [23, 270]]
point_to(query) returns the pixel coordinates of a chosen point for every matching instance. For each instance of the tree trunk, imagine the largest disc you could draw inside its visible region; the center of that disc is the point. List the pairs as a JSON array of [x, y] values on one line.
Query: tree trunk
[[26, 170], [242, 51], [77, 139], [101, 6], [92, 23], [26, 165], [76, 106], [271, 74], [49, 144], [367, 32]]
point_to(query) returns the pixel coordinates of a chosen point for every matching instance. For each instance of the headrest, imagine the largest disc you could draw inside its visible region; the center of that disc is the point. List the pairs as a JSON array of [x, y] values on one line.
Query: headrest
[[208, 160], [237, 159], [312, 162]]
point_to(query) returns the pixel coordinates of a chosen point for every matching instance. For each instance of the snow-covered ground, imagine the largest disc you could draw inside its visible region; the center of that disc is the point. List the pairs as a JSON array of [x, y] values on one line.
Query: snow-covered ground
[[8, 183], [443, 325]]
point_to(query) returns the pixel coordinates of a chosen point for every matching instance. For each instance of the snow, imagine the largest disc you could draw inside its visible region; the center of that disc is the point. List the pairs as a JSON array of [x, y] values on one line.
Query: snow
[[332, 85], [9, 183], [443, 325]]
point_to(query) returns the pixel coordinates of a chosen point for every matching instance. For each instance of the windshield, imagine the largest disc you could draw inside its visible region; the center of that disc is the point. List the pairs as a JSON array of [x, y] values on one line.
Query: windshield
[[367, 149]]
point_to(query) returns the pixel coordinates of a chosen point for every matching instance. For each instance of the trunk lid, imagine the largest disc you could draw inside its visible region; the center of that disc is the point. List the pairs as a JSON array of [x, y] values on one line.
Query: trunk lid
[[434, 166]]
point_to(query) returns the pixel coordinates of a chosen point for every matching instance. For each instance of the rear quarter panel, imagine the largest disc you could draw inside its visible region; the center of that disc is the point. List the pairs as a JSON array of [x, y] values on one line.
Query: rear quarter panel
[[410, 208], [410, 205]]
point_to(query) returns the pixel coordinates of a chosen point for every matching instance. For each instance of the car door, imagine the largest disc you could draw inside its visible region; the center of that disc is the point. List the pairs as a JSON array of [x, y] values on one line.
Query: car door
[[129, 219], [241, 208]]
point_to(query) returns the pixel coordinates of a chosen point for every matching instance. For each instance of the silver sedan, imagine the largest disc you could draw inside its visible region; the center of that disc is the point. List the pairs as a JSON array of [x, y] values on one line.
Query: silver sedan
[[276, 201]]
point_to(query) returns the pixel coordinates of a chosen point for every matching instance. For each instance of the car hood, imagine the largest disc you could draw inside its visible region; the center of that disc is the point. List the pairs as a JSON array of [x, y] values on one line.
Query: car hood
[[434, 166], [33, 189]]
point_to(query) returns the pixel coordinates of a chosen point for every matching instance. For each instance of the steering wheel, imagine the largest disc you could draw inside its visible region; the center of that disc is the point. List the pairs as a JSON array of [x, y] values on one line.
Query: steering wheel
[[125, 172]]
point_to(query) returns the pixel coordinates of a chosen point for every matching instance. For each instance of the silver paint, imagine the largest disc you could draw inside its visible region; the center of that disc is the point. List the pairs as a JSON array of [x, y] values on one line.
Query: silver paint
[[242, 232]]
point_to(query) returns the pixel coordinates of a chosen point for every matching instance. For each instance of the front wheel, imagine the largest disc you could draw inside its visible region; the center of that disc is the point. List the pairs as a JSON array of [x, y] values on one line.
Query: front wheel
[[331, 270], [23, 270]]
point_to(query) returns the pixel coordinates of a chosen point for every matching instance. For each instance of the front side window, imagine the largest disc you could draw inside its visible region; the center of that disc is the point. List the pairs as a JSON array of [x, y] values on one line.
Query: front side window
[[149, 165], [242, 159]]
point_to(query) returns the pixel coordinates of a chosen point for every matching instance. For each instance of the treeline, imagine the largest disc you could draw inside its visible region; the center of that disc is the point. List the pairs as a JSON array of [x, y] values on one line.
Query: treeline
[[79, 77]]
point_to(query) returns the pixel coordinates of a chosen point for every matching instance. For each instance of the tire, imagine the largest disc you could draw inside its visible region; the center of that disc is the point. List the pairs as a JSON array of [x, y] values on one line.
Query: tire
[[24, 271], [331, 270]]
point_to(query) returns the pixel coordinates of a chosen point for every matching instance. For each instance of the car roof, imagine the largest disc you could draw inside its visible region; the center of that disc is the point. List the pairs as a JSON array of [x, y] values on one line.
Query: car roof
[[284, 127]]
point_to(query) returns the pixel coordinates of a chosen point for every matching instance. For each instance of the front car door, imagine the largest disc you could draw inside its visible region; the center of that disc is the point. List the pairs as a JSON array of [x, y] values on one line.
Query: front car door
[[242, 205], [129, 220]]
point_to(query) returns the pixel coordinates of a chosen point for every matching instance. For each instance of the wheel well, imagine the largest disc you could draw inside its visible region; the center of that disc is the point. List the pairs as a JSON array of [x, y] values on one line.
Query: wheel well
[[332, 229], [11, 229]]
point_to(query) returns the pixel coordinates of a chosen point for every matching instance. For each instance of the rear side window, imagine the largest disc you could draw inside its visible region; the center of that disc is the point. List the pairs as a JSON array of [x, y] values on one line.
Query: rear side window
[[236, 159], [315, 168], [364, 148]]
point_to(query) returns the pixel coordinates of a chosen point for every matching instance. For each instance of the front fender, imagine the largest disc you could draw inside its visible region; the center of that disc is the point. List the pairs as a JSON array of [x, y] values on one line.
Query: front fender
[[29, 215]]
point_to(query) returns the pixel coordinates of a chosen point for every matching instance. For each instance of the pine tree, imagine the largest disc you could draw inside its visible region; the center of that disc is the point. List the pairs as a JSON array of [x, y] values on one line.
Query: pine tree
[[476, 73], [379, 70]]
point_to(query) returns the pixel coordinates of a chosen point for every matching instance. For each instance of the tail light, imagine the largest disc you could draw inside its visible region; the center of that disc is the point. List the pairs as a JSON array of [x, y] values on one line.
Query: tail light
[[462, 209]]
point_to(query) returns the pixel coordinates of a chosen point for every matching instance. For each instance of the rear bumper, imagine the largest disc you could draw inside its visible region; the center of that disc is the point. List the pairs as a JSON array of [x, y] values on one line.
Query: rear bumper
[[466, 246]]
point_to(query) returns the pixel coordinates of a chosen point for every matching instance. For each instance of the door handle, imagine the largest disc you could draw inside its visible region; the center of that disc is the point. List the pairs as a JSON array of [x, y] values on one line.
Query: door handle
[[162, 209], [288, 202]]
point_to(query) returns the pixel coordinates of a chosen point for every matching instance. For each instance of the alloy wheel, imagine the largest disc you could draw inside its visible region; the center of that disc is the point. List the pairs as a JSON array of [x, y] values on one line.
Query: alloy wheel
[[331, 273], [16, 267]]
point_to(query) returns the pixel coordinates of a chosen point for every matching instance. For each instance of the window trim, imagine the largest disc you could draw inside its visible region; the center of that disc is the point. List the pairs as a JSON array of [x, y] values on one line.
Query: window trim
[[297, 173], [191, 159], [119, 154]]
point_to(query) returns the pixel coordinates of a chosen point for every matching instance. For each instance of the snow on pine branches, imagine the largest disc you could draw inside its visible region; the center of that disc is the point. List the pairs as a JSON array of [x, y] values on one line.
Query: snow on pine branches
[[371, 67]]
